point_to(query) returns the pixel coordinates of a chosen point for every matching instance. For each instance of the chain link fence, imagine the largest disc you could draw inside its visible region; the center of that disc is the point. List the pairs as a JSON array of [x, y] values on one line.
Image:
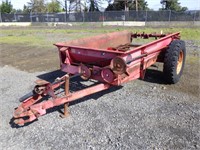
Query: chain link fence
[[103, 16]]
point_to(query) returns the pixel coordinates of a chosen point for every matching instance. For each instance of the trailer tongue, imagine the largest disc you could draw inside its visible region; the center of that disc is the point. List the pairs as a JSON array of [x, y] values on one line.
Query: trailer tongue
[[111, 59]]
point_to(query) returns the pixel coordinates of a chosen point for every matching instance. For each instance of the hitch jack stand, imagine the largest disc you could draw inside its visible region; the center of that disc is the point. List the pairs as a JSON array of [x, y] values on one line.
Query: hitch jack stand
[[66, 105]]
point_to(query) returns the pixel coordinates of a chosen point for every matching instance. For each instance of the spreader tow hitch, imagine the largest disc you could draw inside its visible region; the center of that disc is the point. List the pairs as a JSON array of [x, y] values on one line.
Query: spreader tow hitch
[[27, 112]]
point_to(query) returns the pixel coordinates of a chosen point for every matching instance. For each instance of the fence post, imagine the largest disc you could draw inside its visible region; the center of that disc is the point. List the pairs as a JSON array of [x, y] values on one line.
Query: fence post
[[170, 15], [146, 16], [31, 16], [65, 16], [195, 16], [0, 17], [124, 19], [83, 14], [48, 17], [103, 16], [15, 16]]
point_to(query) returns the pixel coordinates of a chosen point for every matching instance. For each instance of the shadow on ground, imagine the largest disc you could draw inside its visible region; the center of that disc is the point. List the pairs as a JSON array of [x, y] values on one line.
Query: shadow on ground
[[154, 76]]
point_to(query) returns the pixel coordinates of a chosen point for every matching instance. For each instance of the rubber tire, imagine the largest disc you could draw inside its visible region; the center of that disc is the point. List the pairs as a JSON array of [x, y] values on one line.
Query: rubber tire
[[171, 59]]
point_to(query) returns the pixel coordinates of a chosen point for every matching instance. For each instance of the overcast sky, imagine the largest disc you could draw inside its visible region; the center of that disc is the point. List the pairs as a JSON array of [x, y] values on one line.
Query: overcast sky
[[154, 4]]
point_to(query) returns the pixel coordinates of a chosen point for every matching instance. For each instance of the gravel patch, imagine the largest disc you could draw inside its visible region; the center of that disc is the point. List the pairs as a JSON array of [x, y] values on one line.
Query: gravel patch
[[139, 115]]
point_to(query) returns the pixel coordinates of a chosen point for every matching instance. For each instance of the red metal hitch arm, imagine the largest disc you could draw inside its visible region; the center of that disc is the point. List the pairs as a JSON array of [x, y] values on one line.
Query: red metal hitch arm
[[28, 109]]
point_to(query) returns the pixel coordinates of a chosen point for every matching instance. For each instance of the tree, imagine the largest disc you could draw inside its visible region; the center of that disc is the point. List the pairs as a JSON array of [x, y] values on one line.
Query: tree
[[26, 9], [128, 5], [138, 5], [37, 6], [16, 11], [54, 6], [172, 5], [6, 7], [85, 5], [94, 5], [75, 5]]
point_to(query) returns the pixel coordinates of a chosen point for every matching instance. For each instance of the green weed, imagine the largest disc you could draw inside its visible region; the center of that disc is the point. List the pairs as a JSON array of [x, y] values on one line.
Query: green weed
[[38, 36]]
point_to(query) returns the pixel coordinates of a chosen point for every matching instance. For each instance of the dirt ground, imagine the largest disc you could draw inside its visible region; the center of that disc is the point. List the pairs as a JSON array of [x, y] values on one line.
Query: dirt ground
[[143, 114], [29, 58]]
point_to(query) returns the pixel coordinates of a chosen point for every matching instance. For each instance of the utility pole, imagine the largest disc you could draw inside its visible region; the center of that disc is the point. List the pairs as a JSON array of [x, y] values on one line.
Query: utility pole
[[136, 8], [136, 5], [80, 5], [125, 5], [76, 6]]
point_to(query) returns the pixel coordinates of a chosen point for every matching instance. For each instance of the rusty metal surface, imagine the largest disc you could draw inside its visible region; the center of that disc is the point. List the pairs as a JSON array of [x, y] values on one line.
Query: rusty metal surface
[[85, 72], [107, 75], [41, 82], [66, 105], [118, 65], [101, 41]]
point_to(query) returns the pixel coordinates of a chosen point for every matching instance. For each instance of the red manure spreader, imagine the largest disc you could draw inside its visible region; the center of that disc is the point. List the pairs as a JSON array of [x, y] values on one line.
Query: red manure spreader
[[112, 59]]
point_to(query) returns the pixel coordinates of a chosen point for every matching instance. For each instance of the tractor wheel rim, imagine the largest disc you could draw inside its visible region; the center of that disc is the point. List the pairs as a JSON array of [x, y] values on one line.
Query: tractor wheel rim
[[180, 62]]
